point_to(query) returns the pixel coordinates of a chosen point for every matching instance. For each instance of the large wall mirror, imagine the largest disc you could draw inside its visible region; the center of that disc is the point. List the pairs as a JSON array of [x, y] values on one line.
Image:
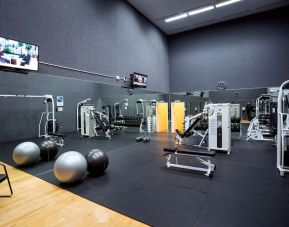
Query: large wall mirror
[[20, 117]]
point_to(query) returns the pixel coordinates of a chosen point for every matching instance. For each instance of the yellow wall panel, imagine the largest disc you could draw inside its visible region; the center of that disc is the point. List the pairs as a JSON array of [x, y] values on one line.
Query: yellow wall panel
[[162, 117], [177, 116]]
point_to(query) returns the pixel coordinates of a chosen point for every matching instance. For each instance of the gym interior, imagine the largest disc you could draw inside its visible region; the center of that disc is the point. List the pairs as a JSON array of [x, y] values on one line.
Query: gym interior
[[144, 113]]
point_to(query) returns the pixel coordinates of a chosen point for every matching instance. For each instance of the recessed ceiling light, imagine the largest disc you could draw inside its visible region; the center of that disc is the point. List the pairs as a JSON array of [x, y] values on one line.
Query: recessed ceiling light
[[200, 10], [178, 17], [227, 3]]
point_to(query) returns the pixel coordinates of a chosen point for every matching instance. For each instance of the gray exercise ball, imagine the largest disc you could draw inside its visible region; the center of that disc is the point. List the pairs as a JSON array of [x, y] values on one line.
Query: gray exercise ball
[[70, 167], [26, 153]]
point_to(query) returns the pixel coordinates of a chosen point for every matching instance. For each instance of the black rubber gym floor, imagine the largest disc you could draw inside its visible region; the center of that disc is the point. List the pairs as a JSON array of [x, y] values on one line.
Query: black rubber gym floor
[[246, 189]]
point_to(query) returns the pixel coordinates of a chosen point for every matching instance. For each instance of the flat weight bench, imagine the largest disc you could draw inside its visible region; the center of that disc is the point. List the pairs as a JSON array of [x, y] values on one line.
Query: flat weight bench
[[209, 169]]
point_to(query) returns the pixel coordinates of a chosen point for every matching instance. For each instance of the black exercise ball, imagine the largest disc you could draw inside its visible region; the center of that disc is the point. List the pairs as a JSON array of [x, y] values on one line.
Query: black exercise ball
[[97, 162], [48, 150]]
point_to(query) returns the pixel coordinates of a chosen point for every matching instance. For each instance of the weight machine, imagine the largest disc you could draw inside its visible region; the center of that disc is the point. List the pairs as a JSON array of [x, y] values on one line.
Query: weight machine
[[47, 119], [219, 135], [260, 126], [90, 121], [118, 106], [79, 105], [147, 110], [236, 119], [218, 131], [283, 128]]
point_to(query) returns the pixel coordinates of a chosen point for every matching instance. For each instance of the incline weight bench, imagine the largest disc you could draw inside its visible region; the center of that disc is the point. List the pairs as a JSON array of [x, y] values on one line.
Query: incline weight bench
[[198, 155], [190, 131], [100, 125]]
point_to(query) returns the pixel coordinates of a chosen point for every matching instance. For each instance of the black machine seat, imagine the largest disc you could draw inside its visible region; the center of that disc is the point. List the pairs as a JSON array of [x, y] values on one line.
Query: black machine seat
[[188, 132], [189, 152]]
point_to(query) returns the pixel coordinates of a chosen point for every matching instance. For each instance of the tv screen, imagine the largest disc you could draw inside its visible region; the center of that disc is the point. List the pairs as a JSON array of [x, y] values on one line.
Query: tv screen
[[138, 80], [17, 55]]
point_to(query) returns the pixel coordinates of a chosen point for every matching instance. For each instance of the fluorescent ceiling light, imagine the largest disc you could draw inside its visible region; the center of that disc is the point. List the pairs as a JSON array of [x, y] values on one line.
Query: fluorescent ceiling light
[[227, 3], [200, 10], [178, 17]]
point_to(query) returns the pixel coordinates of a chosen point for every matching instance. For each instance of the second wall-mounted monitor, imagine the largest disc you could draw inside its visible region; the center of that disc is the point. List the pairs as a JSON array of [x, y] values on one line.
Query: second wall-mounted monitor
[[138, 80]]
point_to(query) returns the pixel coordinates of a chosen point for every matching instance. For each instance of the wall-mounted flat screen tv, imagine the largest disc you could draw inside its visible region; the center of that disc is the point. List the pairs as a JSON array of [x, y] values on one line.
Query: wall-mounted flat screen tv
[[18, 55], [138, 80]]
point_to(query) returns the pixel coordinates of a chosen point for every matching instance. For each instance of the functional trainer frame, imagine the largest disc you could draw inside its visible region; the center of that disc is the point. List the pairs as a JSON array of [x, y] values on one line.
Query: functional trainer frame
[[256, 130], [47, 99], [48, 114]]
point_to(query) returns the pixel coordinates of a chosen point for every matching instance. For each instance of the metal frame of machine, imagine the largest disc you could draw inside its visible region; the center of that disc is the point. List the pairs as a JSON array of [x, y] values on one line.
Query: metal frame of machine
[[282, 128], [146, 120], [48, 115], [219, 127], [256, 130], [81, 103], [236, 119], [219, 135], [117, 107], [189, 121], [89, 121]]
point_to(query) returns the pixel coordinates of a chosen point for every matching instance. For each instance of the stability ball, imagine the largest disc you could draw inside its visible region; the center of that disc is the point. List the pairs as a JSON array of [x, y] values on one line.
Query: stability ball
[[48, 150], [26, 153], [70, 167], [97, 162]]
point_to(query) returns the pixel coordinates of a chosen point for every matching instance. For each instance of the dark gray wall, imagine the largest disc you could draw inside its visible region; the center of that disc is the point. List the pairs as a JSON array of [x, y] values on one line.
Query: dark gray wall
[[19, 117], [107, 37], [230, 95], [245, 53]]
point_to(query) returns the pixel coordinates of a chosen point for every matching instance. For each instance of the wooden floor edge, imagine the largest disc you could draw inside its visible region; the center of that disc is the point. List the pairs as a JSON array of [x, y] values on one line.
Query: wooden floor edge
[[21, 179]]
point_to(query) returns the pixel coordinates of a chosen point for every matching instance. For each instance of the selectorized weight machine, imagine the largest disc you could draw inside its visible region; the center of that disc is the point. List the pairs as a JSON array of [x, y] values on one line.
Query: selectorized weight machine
[[147, 120], [91, 122], [260, 126]]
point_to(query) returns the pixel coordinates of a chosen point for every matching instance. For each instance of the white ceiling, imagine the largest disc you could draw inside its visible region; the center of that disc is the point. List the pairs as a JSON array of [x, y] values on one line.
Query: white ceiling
[[157, 10]]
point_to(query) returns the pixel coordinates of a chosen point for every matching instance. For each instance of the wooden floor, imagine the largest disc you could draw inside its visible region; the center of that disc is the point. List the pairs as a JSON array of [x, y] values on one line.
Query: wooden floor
[[38, 203]]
